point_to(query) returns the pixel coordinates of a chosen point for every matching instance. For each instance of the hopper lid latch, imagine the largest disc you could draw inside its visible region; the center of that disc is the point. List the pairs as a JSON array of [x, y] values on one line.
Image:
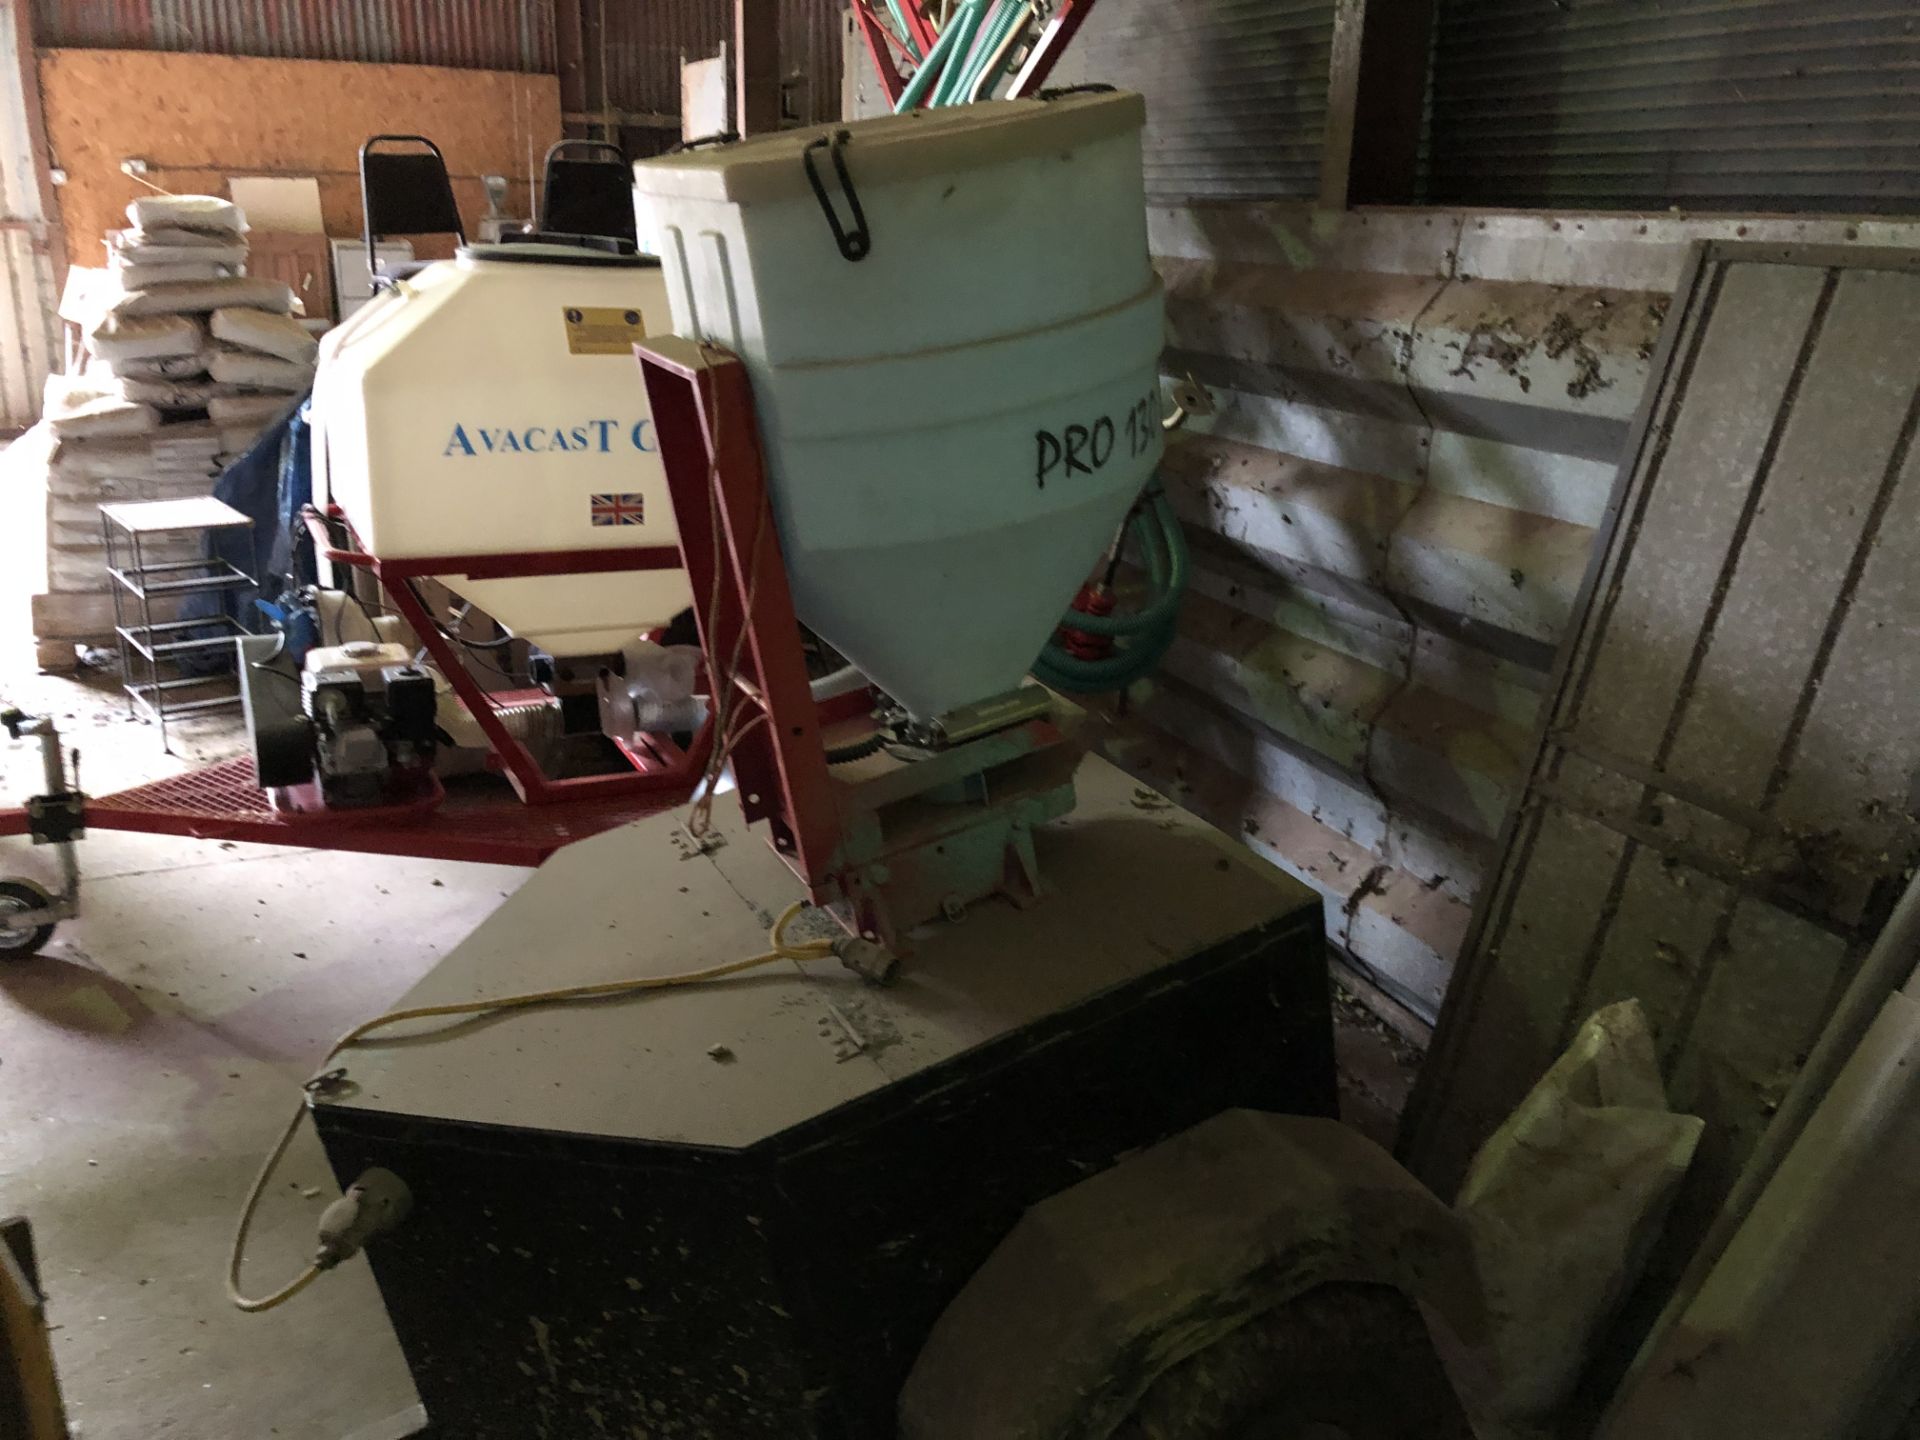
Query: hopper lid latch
[[855, 241]]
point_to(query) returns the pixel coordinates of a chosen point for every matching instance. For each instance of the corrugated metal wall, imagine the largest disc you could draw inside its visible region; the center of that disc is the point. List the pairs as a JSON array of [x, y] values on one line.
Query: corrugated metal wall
[[29, 333], [464, 34], [1420, 416], [1236, 90], [1713, 104], [639, 50], [643, 47]]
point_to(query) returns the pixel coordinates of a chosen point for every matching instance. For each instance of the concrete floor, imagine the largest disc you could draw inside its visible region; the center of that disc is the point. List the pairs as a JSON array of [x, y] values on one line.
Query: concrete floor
[[147, 1061], [151, 1056]]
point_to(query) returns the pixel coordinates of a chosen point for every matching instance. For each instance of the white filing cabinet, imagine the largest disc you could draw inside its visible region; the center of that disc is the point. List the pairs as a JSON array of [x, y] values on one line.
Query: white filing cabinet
[[352, 285]]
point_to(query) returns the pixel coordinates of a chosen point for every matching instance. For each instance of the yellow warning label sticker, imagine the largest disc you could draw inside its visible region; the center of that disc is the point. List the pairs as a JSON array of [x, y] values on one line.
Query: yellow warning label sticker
[[603, 330]]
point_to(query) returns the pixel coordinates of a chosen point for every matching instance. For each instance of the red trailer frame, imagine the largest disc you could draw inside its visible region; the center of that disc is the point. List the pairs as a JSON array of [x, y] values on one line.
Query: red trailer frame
[[864, 840], [659, 766], [479, 822]]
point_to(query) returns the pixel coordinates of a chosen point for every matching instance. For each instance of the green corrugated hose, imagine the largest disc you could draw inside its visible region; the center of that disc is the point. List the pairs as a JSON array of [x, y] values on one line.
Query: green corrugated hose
[[992, 33], [906, 31], [1142, 636]]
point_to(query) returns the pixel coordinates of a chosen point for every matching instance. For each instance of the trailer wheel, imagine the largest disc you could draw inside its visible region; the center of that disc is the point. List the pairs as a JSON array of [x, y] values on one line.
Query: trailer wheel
[[16, 898]]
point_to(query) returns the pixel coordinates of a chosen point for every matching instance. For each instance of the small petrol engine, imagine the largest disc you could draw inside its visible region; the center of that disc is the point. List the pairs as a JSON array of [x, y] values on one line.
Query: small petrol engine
[[365, 731], [372, 716]]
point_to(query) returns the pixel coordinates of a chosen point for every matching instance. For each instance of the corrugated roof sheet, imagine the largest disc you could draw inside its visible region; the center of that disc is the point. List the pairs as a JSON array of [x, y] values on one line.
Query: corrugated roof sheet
[[644, 47]]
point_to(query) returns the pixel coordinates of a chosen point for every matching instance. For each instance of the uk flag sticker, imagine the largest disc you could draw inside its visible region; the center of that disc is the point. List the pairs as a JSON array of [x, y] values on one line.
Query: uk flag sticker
[[623, 509]]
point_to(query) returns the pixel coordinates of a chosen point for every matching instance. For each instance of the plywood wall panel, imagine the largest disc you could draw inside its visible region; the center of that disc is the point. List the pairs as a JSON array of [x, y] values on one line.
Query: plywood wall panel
[[196, 119]]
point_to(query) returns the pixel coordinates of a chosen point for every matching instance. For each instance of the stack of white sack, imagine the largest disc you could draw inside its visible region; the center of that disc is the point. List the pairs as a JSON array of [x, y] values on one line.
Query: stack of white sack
[[185, 330], [188, 359], [176, 238]]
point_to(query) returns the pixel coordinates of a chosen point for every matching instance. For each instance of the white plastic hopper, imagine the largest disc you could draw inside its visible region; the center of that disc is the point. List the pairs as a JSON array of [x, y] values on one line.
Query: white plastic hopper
[[491, 404], [955, 424]]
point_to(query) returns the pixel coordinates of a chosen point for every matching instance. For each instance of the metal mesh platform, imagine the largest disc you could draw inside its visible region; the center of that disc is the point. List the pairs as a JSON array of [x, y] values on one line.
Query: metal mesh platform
[[222, 793], [478, 818]]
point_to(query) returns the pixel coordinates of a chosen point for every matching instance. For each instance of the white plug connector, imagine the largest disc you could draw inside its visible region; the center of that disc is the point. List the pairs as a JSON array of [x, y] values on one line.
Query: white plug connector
[[373, 1205], [873, 963]]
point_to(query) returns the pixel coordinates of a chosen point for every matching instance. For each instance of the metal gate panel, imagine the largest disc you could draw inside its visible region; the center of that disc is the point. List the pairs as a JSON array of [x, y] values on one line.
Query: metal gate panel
[[1721, 808]]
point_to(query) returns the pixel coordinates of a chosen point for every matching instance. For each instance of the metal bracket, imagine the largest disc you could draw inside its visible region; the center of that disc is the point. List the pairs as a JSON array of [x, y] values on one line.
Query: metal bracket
[[856, 243], [1190, 399], [57, 819], [927, 839]]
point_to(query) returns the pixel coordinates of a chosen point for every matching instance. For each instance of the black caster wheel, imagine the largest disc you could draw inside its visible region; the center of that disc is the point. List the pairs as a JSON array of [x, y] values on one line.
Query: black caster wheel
[[16, 898]]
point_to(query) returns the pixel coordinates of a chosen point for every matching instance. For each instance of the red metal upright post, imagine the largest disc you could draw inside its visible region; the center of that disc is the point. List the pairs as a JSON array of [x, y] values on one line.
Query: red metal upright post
[[703, 413], [920, 25], [869, 841], [1054, 38], [875, 33]]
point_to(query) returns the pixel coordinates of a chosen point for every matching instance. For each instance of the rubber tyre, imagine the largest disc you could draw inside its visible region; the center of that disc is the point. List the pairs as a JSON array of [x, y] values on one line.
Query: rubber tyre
[[16, 896]]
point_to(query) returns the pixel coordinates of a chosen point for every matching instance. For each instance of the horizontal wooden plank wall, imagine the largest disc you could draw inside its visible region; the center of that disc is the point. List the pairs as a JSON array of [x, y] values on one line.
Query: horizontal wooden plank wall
[[1419, 417]]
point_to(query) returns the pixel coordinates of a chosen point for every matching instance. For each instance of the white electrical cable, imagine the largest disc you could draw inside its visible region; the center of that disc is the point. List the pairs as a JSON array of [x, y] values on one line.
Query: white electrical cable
[[723, 681], [779, 948]]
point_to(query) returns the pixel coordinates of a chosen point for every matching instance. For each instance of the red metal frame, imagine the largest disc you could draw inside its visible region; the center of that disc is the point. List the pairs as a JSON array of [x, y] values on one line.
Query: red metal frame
[[659, 768], [920, 24], [1055, 35], [475, 819], [862, 840], [880, 50], [700, 397]]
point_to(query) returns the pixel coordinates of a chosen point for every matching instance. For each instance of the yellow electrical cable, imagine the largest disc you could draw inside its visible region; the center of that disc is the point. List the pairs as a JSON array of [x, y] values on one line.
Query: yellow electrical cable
[[779, 948]]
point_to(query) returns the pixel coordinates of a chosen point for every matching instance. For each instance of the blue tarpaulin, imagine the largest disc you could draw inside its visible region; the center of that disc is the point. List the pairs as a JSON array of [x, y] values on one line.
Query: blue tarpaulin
[[269, 485]]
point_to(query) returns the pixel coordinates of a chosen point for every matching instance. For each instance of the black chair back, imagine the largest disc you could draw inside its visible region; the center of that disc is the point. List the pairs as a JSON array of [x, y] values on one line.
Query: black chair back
[[588, 190], [405, 192]]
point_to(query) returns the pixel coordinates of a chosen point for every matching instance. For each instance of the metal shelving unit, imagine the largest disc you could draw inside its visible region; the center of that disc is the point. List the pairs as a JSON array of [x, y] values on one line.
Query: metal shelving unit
[[130, 530]]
